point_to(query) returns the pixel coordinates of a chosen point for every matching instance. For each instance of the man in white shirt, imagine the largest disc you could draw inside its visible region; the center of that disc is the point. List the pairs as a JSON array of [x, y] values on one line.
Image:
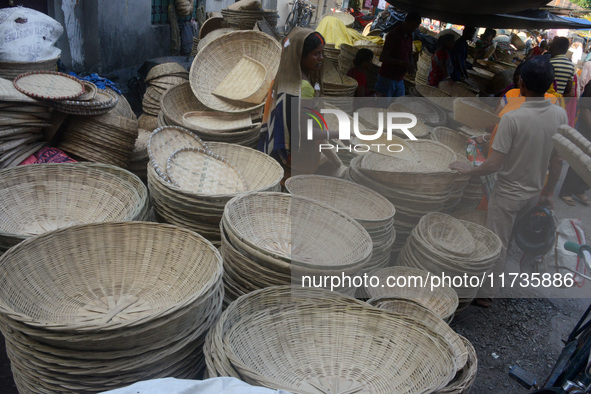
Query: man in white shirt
[[521, 153]]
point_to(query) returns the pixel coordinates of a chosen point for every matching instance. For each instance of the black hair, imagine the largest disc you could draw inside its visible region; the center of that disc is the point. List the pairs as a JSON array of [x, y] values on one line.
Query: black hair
[[363, 55], [413, 17], [544, 44], [537, 74], [442, 40], [490, 32], [560, 45], [469, 29], [311, 42], [516, 74]]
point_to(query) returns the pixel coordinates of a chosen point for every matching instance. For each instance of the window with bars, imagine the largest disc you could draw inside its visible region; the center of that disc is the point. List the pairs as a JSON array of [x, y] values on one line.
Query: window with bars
[[160, 12]]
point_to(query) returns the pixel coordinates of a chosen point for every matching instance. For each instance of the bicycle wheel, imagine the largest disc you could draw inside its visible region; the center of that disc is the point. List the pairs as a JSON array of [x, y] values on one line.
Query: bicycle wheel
[[289, 23]]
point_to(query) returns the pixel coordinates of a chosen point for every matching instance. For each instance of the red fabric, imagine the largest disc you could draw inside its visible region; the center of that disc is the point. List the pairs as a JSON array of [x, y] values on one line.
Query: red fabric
[[398, 46], [48, 155], [360, 77], [437, 61]]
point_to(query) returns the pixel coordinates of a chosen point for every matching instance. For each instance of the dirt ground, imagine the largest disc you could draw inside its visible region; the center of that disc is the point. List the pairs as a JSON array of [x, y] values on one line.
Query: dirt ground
[[524, 332]]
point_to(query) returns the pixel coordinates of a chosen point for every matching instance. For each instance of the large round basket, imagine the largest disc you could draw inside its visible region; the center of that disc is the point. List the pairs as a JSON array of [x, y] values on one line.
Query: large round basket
[[216, 59], [363, 204], [370, 351], [45, 197], [298, 230], [253, 303]]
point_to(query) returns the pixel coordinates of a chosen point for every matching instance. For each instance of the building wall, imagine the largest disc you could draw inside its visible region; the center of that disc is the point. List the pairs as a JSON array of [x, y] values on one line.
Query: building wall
[[102, 36]]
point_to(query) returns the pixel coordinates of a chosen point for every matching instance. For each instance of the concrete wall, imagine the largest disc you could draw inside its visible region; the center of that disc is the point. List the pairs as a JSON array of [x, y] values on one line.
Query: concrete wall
[[102, 36]]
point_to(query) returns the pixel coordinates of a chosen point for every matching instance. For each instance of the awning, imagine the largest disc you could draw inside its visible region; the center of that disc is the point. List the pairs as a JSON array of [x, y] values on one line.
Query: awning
[[529, 19], [471, 7]]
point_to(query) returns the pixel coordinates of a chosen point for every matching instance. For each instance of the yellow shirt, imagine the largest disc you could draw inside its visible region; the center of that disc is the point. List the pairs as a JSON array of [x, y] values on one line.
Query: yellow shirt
[[307, 89]]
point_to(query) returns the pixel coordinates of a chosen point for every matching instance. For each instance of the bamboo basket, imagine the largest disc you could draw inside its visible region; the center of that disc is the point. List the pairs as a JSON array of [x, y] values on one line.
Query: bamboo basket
[[72, 194]]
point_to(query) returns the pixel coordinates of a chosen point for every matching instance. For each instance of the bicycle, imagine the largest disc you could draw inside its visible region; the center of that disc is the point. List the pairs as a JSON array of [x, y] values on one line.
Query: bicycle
[[572, 371], [300, 15]]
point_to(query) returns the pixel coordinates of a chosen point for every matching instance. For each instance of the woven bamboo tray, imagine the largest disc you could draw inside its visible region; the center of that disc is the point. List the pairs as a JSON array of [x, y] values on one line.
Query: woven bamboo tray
[[473, 215], [450, 236], [301, 323], [216, 59], [72, 194], [200, 171], [164, 141], [49, 85]]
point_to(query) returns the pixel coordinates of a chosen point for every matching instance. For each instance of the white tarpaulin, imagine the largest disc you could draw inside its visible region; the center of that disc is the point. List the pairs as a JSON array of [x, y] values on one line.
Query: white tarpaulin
[[184, 386]]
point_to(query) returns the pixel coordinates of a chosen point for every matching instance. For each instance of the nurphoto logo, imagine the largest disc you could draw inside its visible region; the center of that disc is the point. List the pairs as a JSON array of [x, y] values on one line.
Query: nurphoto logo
[[390, 119]]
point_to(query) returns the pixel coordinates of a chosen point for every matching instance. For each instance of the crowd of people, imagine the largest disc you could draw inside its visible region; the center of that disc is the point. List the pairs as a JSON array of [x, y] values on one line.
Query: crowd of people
[[542, 96]]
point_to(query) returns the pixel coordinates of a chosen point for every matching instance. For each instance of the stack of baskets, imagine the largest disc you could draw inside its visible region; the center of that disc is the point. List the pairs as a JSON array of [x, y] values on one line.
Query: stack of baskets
[[340, 93], [440, 243], [201, 209], [72, 194], [276, 239], [233, 73], [374, 212], [147, 122], [21, 131], [180, 101], [108, 138], [412, 285], [247, 19], [465, 354], [416, 184], [183, 8], [332, 54], [138, 162], [471, 215], [423, 67], [161, 78], [348, 53], [370, 350], [575, 149], [10, 70], [108, 305]]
